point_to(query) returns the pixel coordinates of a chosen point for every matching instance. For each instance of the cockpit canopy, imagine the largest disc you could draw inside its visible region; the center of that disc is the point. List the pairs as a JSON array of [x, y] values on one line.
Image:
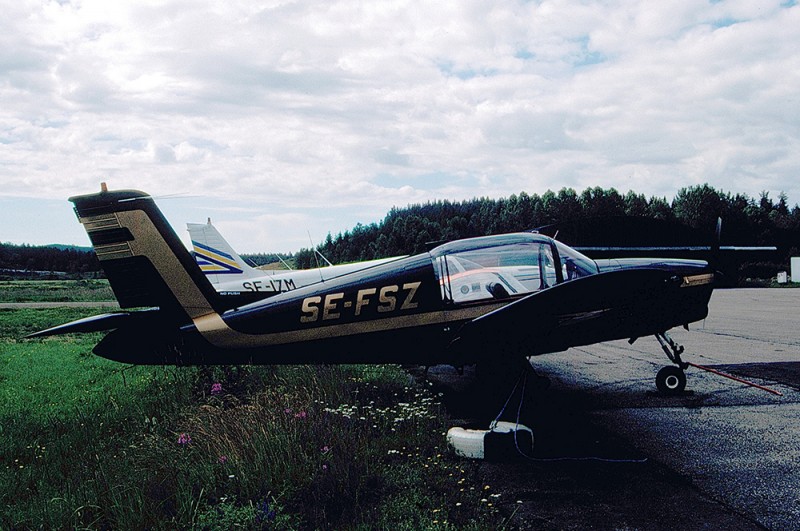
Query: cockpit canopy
[[505, 266]]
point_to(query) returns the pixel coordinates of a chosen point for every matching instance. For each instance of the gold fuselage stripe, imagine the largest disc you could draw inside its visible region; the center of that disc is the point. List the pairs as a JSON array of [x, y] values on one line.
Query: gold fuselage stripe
[[217, 332], [148, 242]]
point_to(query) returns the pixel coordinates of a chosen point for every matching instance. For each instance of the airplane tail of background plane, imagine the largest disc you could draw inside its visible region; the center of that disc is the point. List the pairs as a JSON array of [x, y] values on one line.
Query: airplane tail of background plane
[[216, 258], [146, 263]]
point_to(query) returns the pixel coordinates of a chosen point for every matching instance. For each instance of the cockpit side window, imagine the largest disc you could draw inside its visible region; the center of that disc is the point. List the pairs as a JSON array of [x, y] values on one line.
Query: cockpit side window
[[499, 272]]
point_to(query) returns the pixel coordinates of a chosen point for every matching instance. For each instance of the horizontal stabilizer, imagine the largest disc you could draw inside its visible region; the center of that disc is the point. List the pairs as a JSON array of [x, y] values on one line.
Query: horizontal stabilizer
[[95, 323]]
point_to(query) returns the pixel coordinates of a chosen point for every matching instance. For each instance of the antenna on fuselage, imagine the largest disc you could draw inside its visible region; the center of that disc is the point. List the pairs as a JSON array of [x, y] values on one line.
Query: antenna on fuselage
[[323, 257], [321, 278], [287, 266]]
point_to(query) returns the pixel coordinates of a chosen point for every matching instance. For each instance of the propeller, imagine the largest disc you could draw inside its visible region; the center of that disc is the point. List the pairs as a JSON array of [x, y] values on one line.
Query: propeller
[[714, 255]]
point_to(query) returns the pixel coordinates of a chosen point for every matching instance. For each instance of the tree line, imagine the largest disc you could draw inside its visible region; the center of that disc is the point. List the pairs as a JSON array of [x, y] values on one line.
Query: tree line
[[47, 261], [409, 230]]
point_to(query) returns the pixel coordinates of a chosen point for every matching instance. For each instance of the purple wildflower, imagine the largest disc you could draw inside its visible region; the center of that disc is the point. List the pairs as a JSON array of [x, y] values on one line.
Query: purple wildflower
[[216, 389], [325, 449], [222, 459], [264, 514], [288, 411], [300, 415], [184, 439]]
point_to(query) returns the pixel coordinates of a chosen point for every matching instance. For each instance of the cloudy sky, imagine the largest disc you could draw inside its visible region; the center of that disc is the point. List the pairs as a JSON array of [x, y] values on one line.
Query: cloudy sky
[[286, 120]]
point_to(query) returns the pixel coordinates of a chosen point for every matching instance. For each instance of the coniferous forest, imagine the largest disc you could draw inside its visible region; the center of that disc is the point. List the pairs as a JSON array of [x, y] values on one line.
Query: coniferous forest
[[747, 221], [31, 261]]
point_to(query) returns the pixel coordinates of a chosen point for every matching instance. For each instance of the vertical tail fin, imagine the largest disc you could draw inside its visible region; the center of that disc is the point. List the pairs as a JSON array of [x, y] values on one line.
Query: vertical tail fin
[[144, 260], [216, 257]]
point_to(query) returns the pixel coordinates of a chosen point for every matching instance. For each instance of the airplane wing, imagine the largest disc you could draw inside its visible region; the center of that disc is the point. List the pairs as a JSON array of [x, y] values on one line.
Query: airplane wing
[[649, 250], [554, 319]]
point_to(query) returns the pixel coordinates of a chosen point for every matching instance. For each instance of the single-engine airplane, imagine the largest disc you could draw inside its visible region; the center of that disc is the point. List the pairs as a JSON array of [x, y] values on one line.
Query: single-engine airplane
[[487, 300], [231, 275]]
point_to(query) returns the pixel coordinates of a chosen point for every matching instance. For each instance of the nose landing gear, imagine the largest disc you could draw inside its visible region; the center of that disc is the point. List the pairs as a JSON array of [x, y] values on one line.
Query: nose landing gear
[[671, 380]]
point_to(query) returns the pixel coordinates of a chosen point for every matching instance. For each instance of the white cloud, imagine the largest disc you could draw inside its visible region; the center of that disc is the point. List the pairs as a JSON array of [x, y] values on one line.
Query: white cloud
[[338, 108]]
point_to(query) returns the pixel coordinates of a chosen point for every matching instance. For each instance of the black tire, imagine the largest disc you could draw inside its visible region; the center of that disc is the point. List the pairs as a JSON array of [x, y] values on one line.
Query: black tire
[[671, 380]]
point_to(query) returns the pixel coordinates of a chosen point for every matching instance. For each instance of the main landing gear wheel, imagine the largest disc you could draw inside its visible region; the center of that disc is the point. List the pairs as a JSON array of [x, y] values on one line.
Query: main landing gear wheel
[[671, 380]]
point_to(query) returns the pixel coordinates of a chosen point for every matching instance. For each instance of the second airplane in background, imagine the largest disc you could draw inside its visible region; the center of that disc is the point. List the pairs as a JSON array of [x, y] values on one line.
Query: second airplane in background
[[231, 276]]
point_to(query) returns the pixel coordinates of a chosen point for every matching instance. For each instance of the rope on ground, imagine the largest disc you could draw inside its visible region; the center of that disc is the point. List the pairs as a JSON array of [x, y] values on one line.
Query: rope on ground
[[523, 377]]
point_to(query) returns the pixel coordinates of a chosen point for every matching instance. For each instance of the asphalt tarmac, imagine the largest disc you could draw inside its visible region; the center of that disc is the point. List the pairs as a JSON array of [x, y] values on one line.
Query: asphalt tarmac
[[612, 453]]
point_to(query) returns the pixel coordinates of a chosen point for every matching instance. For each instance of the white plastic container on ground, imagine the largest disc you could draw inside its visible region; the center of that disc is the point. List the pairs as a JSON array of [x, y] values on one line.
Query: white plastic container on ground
[[501, 442]]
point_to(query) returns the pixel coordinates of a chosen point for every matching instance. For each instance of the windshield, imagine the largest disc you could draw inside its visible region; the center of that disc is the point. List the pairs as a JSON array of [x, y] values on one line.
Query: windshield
[[574, 264]]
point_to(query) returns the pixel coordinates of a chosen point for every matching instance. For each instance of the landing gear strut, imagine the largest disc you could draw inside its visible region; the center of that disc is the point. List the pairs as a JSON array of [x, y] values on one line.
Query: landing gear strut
[[671, 380]]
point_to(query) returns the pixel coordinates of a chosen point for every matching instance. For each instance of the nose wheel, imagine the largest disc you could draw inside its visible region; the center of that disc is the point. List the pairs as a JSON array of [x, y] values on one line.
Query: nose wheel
[[671, 380]]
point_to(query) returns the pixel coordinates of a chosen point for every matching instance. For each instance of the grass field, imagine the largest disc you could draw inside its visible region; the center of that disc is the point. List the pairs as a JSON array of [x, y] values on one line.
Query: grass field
[[89, 443], [55, 291]]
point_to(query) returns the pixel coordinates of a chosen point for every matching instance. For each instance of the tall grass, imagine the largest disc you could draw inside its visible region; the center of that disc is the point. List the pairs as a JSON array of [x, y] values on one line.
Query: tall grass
[[88, 443], [88, 290]]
